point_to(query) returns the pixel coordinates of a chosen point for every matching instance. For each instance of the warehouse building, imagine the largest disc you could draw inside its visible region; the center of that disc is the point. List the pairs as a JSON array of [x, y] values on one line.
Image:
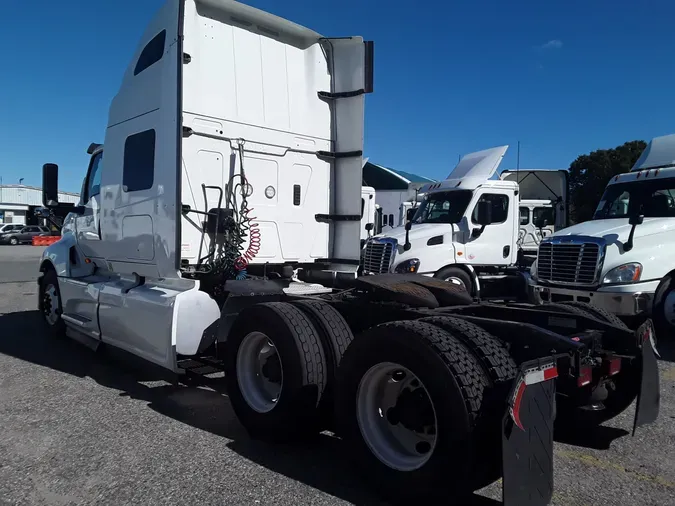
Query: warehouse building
[[18, 203], [392, 189]]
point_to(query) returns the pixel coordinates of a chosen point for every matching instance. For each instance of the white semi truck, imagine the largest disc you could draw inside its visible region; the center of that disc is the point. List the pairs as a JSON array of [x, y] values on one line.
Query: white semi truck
[[230, 173], [471, 229], [369, 214], [623, 259]]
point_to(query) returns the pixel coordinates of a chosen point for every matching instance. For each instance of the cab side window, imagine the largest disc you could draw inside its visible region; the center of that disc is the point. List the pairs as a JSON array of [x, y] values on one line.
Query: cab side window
[[500, 207], [152, 53], [138, 172], [524, 215], [93, 187], [546, 214]]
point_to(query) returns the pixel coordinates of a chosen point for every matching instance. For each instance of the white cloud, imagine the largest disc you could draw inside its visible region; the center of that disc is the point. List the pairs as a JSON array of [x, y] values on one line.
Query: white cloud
[[552, 44]]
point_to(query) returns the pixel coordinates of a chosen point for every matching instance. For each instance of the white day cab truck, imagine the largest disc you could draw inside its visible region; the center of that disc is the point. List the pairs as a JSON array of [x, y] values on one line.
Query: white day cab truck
[[473, 230], [222, 190], [622, 260]]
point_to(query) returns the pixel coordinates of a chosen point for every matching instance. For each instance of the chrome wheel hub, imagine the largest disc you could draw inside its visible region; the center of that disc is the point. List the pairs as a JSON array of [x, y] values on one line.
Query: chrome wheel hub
[[396, 417], [259, 372]]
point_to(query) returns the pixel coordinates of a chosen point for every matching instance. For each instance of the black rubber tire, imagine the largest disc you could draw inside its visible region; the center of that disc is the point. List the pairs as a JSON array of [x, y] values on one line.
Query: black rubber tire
[[492, 352], [296, 414], [335, 336], [58, 329], [599, 313], [458, 273], [564, 308], [502, 370], [454, 380], [665, 331]]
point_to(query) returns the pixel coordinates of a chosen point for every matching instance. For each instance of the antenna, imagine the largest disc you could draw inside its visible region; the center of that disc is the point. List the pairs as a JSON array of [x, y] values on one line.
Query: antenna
[[518, 162]]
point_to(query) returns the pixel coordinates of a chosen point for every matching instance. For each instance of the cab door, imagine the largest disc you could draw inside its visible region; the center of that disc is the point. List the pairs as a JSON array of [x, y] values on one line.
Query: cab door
[[496, 244], [87, 225]]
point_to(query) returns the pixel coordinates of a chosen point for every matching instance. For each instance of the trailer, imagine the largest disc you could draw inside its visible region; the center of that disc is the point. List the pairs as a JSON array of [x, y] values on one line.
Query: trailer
[[222, 191]]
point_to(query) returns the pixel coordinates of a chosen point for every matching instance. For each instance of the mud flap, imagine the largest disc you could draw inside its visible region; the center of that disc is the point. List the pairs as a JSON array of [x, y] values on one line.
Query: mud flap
[[649, 396], [527, 436]]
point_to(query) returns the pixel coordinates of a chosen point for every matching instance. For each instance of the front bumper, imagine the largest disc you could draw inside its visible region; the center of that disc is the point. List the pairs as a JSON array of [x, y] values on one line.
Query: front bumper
[[625, 300]]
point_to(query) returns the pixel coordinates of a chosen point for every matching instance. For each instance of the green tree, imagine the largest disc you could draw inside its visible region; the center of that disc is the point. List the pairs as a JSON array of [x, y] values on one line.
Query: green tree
[[589, 174]]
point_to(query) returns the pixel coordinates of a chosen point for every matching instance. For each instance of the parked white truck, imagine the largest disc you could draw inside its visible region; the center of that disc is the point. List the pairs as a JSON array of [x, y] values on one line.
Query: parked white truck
[[369, 214], [471, 227], [226, 113], [622, 260]]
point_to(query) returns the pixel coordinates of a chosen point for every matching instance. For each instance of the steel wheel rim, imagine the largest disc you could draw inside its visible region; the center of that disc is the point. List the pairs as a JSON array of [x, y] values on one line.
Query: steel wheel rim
[[255, 356], [13, 241], [50, 304], [456, 281], [395, 445]]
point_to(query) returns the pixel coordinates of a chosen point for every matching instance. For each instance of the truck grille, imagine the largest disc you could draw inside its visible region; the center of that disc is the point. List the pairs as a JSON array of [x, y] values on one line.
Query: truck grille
[[568, 263], [377, 256]]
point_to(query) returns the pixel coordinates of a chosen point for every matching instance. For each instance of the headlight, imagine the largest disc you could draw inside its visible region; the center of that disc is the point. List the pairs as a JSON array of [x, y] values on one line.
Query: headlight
[[533, 269], [627, 273], [408, 266]]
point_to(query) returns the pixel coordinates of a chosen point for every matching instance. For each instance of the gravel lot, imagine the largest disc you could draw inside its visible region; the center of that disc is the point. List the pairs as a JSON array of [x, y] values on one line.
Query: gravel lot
[[79, 428]]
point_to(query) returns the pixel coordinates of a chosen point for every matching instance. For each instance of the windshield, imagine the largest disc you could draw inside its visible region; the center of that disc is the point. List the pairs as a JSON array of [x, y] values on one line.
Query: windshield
[[653, 198], [443, 207]]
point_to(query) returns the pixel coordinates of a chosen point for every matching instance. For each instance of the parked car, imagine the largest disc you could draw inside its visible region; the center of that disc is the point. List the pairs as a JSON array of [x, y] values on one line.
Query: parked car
[[10, 227], [23, 235]]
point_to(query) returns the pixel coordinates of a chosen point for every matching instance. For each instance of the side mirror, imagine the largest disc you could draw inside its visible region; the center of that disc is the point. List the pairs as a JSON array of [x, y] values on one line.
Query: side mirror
[[636, 219], [540, 222], [42, 212], [484, 212], [410, 214], [369, 226], [50, 185]]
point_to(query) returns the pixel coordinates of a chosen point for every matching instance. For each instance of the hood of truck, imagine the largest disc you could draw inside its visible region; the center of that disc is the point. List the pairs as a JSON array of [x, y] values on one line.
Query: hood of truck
[[418, 233], [431, 258], [653, 243], [471, 170], [619, 229]]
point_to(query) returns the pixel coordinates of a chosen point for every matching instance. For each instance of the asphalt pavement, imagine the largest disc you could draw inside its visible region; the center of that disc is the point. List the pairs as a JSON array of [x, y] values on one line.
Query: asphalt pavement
[[84, 428]]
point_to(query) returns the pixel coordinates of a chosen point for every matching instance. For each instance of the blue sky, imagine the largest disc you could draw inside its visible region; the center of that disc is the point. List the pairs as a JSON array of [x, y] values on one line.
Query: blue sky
[[563, 77]]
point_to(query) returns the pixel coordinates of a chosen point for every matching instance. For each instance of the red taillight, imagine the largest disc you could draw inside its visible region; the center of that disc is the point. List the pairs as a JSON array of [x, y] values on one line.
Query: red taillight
[[613, 366], [585, 375]]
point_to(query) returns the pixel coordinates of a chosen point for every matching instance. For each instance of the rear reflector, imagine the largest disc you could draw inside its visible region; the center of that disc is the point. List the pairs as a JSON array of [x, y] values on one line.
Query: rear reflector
[[613, 366], [585, 376], [530, 377]]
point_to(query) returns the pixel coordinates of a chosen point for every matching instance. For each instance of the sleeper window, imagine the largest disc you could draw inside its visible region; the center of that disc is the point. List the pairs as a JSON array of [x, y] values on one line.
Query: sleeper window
[[139, 161], [152, 53]]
